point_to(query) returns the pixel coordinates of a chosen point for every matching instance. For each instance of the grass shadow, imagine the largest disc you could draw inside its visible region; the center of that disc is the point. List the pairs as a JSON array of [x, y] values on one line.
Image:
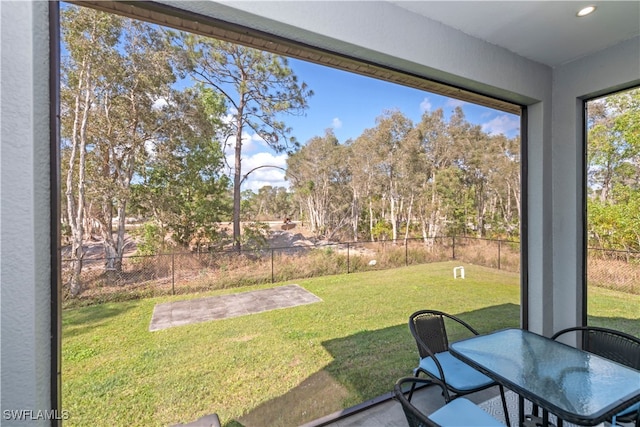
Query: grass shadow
[[79, 321], [383, 356]]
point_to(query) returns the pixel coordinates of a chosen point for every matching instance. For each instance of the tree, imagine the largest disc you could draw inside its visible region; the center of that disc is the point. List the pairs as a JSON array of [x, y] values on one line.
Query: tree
[[614, 143], [391, 136], [319, 177], [120, 110], [366, 181], [183, 184], [90, 38], [258, 86], [613, 171], [269, 203], [436, 176], [135, 81]]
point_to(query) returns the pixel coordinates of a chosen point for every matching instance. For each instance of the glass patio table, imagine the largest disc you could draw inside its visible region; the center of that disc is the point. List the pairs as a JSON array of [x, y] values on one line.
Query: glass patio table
[[576, 386]]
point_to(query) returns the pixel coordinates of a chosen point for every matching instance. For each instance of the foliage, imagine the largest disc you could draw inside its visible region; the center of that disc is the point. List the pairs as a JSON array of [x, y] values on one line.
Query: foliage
[[90, 38], [381, 231], [320, 178], [183, 184], [258, 86], [436, 177], [131, 140], [613, 171], [151, 239], [267, 203], [254, 235]]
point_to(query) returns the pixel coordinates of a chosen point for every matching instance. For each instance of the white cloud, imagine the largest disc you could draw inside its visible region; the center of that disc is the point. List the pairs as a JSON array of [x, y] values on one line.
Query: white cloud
[[453, 103], [336, 123], [160, 103], [250, 142], [262, 176], [503, 124], [425, 106]]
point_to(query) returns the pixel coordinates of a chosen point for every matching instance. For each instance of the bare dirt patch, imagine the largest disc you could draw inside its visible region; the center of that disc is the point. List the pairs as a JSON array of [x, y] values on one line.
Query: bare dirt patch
[[289, 235]]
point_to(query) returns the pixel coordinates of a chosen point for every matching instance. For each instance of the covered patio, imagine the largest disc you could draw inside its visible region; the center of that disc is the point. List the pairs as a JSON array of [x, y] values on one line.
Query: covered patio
[[536, 58]]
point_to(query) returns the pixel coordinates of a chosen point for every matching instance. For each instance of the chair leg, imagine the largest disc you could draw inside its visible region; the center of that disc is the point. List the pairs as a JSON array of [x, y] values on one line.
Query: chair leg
[[413, 385], [504, 406]]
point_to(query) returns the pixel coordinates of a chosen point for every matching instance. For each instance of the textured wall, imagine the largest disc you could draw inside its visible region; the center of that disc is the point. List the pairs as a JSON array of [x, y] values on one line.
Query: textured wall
[[24, 211], [612, 69]]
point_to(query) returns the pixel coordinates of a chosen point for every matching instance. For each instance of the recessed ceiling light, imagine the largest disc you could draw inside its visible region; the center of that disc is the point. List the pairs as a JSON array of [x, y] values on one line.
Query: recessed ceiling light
[[585, 11]]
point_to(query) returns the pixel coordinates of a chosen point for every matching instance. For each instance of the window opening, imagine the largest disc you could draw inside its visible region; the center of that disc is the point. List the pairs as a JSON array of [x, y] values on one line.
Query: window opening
[[398, 186], [613, 203]]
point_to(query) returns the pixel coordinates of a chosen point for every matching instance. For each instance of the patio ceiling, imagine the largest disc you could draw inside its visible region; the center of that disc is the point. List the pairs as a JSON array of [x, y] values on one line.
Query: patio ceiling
[[548, 32]]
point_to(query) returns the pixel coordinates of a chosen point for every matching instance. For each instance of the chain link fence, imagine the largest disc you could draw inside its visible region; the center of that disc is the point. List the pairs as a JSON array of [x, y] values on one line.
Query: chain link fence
[[614, 269], [177, 273]]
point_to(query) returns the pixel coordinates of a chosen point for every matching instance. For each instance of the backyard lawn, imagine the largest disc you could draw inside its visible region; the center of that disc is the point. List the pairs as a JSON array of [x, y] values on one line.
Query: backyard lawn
[[282, 367]]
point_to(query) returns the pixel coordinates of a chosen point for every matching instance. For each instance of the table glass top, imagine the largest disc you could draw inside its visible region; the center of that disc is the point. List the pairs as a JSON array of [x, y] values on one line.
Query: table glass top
[[571, 380]]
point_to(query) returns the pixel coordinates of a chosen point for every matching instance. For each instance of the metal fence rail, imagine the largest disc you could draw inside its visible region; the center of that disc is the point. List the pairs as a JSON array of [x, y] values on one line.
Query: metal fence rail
[[187, 272]]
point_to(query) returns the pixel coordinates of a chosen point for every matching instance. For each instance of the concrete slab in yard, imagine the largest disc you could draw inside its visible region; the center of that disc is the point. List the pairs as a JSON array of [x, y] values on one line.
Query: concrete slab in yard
[[180, 313]]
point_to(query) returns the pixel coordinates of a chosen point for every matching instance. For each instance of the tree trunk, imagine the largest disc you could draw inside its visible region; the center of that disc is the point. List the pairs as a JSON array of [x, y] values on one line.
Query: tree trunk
[[237, 177], [355, 215], [406, 233], [370, 219], [75, 213]]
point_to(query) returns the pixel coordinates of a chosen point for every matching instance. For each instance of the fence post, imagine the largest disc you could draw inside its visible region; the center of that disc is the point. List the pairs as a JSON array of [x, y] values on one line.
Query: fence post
[[453, 246], [173, 273], [499, 244], [348, 259], [406, 252], [271, 265]]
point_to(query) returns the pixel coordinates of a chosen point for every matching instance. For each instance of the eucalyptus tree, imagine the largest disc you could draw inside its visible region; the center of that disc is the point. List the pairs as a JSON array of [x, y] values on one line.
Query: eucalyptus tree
[[504, 185], [366, 180], [391, 136], [438, 153], [476, 159], [90, 38], [118, 102], [136, 80], [259, 88], [268, 203], [614, 143], [319, 177]]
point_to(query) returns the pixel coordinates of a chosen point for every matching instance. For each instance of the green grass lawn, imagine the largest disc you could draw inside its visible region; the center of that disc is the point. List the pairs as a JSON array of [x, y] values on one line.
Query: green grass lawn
[[283, 367]]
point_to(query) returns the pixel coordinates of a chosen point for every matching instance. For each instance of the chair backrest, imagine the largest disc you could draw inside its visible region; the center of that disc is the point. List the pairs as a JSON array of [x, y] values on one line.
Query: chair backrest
[[608, 343], [415, 418], [430, 332]]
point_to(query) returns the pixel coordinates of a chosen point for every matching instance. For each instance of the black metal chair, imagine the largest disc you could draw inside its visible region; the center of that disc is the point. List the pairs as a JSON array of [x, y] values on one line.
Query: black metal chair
[[429, 329], [459, 412], [613, 345]]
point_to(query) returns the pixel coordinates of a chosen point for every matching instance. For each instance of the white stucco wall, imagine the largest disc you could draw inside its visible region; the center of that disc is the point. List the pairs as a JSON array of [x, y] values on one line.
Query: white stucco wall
[[612, 69], [24, 210], [389, 35]]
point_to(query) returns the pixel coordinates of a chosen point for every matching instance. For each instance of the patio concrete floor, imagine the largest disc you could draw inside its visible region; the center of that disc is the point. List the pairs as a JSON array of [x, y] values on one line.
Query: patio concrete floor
[[387, 413]]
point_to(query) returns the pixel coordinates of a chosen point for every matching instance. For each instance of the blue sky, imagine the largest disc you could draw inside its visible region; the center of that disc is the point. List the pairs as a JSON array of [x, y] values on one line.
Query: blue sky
[[349, 103]]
